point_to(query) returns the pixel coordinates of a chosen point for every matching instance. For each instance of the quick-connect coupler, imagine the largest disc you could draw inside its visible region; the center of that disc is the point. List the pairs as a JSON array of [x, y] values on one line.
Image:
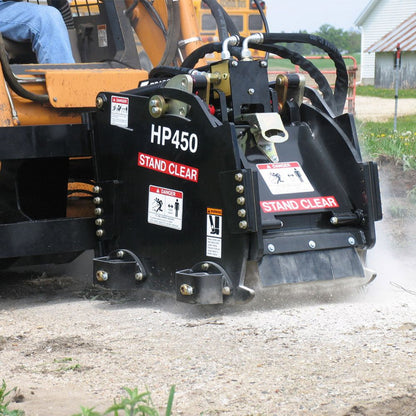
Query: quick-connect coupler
[[256, 38], [231, 41]]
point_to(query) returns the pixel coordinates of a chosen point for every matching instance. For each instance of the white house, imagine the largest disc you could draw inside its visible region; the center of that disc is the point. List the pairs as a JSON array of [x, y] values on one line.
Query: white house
[[377, 19]]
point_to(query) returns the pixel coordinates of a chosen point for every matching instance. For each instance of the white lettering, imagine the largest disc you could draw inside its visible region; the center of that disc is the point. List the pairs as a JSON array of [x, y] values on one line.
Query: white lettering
[[332, 202], [193, 143], [155, 134], [175, 139], [166, 134], [183, 140]]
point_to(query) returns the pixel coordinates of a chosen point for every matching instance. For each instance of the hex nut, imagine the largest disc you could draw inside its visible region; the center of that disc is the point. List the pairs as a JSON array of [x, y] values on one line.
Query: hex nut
[[238, 177]]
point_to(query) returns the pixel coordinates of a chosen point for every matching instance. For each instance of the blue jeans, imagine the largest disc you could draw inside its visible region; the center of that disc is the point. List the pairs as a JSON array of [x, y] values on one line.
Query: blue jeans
[[42, 25]]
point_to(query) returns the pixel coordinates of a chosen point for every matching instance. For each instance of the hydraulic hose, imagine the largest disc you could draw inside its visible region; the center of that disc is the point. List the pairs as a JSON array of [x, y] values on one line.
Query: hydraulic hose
[[13, 82], [341, 83], [191, 60], [219, 16], [306, 65], [263, 16], [153, 14], [173, 33], [231, 27], [264, 20], [167, 72], [294, 57]]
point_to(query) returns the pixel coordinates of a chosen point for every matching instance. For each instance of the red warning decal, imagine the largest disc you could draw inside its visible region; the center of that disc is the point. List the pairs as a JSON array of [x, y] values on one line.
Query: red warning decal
[[168, 167], [299, 204]]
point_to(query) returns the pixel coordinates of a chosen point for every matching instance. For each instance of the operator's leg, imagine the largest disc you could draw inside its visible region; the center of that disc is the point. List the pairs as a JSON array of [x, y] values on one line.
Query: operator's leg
[[42, 25]]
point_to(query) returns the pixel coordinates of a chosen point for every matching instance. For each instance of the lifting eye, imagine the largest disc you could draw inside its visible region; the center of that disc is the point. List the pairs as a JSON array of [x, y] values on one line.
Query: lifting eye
[[274, 132]]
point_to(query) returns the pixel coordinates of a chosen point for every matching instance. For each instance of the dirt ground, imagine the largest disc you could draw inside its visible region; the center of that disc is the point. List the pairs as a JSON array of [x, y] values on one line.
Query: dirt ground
[[381, 109], [65, 344]]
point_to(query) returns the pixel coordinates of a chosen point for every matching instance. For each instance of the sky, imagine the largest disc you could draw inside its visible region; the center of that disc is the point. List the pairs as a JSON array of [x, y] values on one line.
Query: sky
[[309, 15]]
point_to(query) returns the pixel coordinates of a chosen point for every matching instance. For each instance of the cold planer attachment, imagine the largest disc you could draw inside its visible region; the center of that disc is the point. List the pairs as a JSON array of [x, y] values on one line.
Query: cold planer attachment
[[200, 173]]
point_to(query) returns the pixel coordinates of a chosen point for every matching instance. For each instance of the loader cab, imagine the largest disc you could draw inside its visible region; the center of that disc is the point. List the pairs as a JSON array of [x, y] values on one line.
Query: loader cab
[[99, 31]]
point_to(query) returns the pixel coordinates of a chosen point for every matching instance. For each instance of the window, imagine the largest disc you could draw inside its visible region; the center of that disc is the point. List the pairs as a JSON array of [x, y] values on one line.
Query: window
[[238, 21], [208, 23], [255, 22]]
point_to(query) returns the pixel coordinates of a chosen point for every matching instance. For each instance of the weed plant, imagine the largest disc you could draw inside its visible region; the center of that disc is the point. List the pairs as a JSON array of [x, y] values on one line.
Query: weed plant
[[4, 404], [379, 140], [134, 404]]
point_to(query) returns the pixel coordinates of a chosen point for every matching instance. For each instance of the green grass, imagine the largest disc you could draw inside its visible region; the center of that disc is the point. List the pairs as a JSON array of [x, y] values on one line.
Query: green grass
[[371, 91], [379, 140]]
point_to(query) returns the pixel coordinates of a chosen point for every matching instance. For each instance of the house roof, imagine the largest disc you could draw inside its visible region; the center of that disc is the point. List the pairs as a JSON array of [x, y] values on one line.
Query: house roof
[[364, 14], [404, 34]]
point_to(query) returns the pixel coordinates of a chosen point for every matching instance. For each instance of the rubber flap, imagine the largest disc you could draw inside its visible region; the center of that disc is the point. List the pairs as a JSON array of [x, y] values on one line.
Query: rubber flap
[[310, 266]]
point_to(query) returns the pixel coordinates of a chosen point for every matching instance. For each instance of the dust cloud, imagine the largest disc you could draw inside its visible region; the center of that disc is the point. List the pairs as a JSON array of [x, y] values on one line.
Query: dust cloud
[[393, 257]]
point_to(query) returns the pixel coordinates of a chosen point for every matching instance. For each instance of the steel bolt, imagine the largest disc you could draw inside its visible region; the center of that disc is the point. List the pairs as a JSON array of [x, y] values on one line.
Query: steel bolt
[[120, 254], [205, 266], [98, 211], [271, 248], [241, 213], [156, 111], [99, 233], [239, 189], [243, 225], [97, 200], [334, 220], [238, 177], [226, 290], [186, 290], [241, 200], [234, 63], [251, 91], [99, 102], [101, 275], [312, 244], [157, 105], [263, 64], [351, 241], [99, 222], [139, 276], [96, 189]]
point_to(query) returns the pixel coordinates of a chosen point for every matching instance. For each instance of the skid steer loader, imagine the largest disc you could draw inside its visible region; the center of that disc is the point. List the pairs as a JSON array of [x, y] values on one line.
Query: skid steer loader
[[181, 177]]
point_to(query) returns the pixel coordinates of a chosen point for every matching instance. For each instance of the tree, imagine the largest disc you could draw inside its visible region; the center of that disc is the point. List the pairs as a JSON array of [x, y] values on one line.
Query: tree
[[345, 41]]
